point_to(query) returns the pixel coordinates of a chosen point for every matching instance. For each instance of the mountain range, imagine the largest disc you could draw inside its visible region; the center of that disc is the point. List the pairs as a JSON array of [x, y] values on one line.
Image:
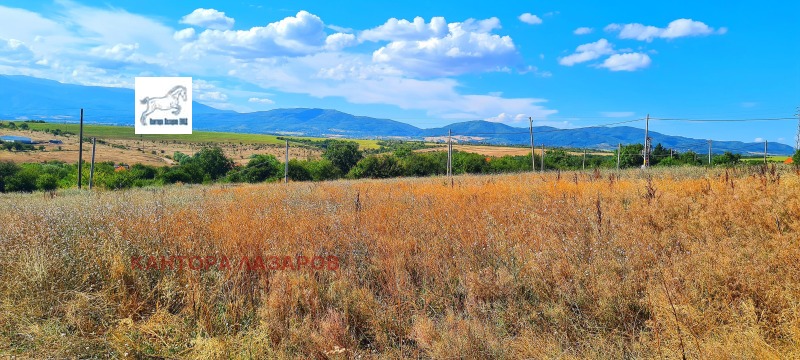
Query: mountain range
[[24, 97]]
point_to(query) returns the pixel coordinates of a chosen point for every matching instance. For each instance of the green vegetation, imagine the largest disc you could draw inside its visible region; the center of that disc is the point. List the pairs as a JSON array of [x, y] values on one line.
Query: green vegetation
[[16, 146], [340, 159]]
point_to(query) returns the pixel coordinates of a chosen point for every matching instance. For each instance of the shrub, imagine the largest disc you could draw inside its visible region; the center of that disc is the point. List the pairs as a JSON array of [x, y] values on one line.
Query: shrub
[[376, 167]]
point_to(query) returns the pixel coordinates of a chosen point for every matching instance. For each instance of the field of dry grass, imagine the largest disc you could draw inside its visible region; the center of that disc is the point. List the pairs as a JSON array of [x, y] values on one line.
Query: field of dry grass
[[693, 263], [144, 151]]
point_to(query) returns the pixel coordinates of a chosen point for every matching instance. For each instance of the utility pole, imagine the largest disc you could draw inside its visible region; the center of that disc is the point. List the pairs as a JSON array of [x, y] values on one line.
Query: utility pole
[[619, 150], [670, 153], [797, 140], [533, 159], [709, 152], [449, 153], [765, 152], [286, 166], [647, 141], [91, 170], [80, 151], [584, 159], [542, 157]]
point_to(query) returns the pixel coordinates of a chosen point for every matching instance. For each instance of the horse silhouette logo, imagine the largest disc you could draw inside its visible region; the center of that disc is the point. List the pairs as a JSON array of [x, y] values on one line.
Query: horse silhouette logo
[[163, 105], [171, 101]]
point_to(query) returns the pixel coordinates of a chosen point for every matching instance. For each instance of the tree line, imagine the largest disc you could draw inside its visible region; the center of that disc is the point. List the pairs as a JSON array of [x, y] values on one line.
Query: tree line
[[340, 159]]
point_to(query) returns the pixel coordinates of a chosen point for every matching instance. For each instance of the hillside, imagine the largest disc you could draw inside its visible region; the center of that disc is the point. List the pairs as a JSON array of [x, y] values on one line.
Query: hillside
[[33, 98]]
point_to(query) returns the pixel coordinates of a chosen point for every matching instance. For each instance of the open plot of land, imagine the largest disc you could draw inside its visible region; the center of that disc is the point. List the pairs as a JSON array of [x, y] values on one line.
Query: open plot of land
[[119, 144], [498, 151], [679, 263]]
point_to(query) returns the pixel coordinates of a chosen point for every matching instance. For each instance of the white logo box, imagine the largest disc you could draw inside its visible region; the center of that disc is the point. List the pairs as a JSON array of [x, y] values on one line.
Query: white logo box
[[163, 105]]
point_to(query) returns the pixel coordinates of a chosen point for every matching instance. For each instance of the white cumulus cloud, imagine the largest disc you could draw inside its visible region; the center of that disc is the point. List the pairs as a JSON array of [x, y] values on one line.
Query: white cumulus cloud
[[404, 30], [467, 47], [260, 100], [626, 62], [208, 18], [588, 52], [296, 35], [529, 18], [583, 31], [507, 118], [185, 34], [675, 29], [339, 41]]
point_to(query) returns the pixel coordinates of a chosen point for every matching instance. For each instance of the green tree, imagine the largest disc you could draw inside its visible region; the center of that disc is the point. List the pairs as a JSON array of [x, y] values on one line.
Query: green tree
[[425, 164], [376, 167], [213, 162], [47, 182], [796, 158], [659, 153], [323, 169], [631, 156], [690, 157], [261, 168], [298, 171], [23, 180], [726, 159], [343, 154], [7, 170], [469, 163]]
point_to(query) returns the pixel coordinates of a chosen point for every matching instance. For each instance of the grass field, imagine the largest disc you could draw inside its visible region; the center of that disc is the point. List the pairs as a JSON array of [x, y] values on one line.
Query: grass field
[[669, 264], [127, 133], [778, 159]]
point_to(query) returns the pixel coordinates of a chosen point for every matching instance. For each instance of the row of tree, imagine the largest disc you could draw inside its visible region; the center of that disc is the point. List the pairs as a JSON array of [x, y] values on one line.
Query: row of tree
[[340, 159]]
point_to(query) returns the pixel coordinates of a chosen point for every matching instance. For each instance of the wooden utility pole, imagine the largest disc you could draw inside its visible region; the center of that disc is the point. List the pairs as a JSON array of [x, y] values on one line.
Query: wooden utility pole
[[619, 150], [542, 157], [797, 139], [709, 152], [91, 169], [647, 141], [449, 153], [670, 153], [584, 159], [80, 151], [533, 159], [765, 152], [286, 166]]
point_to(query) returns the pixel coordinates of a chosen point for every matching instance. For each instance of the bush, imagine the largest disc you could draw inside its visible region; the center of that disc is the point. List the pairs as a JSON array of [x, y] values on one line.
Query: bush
[[322, 170], [726, 159], [261, 168], [47, 182], [24, 180], [343, 154], [298, 171], [7, 170], [470, 163], [213, 162], [425, 164], [376, 167]]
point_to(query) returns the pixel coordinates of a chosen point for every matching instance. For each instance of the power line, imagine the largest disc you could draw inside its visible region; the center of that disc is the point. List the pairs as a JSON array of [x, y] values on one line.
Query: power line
[[722, 120]]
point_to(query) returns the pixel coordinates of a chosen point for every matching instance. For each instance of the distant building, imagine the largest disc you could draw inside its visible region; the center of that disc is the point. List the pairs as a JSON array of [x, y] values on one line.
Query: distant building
[[19, 139]]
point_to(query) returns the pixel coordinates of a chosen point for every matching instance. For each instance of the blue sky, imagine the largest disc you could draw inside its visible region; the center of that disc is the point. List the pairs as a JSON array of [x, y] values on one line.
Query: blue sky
[[566, 64]]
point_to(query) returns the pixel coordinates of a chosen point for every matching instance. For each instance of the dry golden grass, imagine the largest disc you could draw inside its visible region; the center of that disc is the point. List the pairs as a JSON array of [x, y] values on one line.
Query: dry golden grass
[[144, 151], [664, 264]]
